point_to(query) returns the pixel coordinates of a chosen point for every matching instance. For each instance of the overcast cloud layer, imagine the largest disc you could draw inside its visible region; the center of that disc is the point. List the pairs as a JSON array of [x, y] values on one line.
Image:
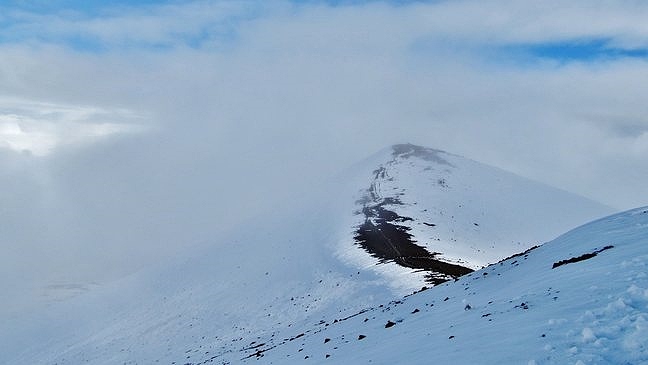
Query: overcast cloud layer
[[127, 132]]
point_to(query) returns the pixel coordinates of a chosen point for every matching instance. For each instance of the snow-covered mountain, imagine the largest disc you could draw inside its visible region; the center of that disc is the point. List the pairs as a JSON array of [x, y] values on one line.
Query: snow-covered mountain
[[406, 217], [447, 215], [580, 299]]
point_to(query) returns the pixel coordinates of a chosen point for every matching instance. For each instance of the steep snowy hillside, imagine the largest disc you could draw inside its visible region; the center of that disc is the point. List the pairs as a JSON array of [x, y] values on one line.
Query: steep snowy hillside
[[580, 299], [290, 272], [446, 215]]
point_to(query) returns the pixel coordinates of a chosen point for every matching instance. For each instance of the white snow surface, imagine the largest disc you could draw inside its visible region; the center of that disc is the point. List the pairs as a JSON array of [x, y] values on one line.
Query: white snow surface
[[519, 311], [480, 214], [296, 269]]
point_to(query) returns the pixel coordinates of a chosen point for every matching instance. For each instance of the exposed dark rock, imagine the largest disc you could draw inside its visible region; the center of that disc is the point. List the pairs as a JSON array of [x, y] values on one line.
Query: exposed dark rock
[[383, 238], [428, 154], [383, 234], [583, 257]]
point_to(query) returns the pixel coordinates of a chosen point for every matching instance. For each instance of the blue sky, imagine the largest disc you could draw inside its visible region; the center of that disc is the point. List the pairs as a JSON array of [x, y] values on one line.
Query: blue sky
[[94, 6], [23, 27], [87, 6], [582, 50]]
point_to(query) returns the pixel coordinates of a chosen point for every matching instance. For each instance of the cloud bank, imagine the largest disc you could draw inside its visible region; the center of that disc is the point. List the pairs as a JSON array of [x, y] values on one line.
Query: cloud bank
[[130, 131]]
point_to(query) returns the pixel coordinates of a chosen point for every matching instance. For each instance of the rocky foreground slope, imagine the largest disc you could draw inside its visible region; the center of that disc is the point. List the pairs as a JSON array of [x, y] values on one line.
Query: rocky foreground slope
[[580, 299]]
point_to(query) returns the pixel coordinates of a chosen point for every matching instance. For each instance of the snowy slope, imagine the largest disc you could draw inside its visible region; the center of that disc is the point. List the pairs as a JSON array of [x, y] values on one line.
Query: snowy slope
[[580, 299], [460, 211], [293, 269]]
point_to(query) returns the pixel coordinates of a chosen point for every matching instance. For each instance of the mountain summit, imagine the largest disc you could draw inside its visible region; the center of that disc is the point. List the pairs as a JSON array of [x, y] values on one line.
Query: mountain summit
[[445, 216], [406, 217]]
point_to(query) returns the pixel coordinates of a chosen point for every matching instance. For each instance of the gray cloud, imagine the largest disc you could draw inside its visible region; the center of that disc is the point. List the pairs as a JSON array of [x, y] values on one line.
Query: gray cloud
[[291, 95]]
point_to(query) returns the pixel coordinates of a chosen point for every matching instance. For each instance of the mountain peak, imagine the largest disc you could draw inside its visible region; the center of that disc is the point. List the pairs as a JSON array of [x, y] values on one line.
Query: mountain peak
[[408, 150], [443, 215]]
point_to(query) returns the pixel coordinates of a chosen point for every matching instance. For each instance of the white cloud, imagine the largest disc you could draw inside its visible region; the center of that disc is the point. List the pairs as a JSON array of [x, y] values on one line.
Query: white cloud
[[475, 22], [41, 128], [290, 95]]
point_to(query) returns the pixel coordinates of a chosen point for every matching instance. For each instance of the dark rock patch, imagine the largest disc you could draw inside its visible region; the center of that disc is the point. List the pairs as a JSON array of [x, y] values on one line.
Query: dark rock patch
[[382, 237], [583, 257], [428, 154]]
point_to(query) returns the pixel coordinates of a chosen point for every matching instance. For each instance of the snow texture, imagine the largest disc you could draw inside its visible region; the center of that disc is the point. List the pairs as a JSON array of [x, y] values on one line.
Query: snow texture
[[276, 289], [518, 311]]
